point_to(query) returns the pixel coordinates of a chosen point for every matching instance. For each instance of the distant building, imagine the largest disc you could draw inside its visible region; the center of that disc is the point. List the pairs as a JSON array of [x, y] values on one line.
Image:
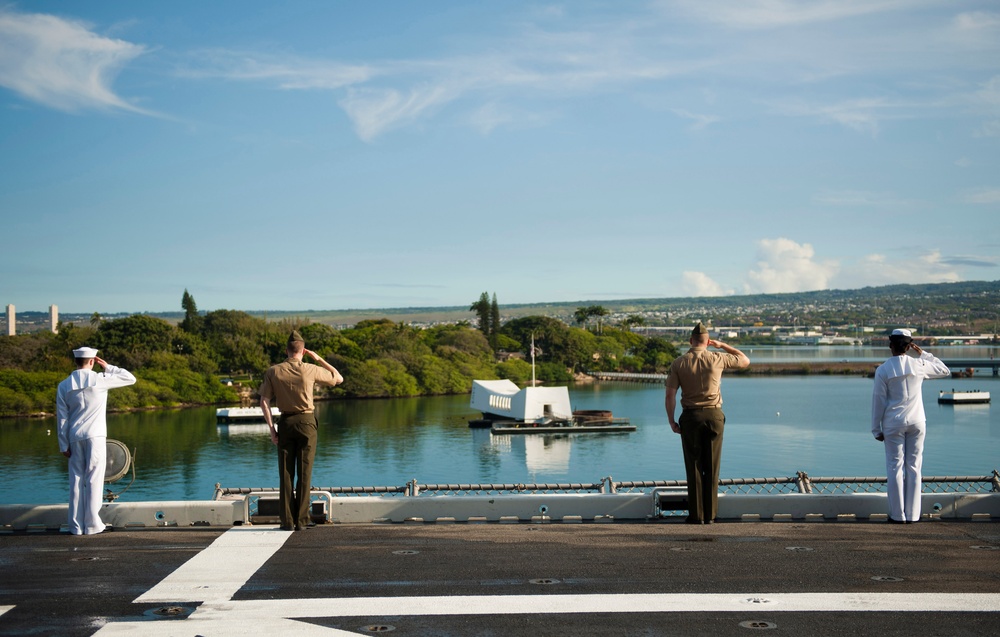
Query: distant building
[[11, 321], [54, 318]]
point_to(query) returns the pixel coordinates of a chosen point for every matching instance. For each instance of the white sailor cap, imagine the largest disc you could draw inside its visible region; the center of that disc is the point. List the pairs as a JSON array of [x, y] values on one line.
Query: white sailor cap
[[905, 333], [85, 352]]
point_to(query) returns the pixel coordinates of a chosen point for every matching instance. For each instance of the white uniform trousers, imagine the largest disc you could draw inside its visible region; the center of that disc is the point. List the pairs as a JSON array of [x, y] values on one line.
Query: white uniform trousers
[[86, 485], [904, 457]]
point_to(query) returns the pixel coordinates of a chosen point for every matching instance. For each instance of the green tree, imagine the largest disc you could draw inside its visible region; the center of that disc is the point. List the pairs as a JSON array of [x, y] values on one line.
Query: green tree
[[192, 322], [494, 322], [633, 320], [583, 315], [550, 335], [236, 341], [131, 341], [482, 309]]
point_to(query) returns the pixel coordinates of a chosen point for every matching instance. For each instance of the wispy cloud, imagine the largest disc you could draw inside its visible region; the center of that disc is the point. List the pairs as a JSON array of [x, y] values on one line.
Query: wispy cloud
[[62, 63], [699, 120], [971, 261], [283, 72], [532, 64], [768, 14], [982, 196], [879, 269], [863, 114], [861, 199], [977, 26], [522, 72], [374, 111]]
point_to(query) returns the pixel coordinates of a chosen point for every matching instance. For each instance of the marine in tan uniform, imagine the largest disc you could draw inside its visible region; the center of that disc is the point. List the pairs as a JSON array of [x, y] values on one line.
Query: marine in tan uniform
[[290, 385], [698, 375]]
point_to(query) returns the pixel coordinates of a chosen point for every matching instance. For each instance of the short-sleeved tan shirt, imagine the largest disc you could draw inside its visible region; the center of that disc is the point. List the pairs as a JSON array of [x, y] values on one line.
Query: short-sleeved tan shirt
[[698, 374], [290, 385]]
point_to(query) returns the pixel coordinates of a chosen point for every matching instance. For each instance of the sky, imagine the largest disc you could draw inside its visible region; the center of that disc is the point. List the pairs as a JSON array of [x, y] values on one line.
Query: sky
[[319, 155]]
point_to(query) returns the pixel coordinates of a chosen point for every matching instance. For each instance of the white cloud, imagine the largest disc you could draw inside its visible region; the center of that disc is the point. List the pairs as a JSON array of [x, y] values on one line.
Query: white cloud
[[373, 111], [983, 196], [534, 64], [764, 14], [977, 24], [989, 129], [61, 63], [700, 120], [786, 266], [860, 198], [862, 114], [565, 53], [700, 284], [287, 73], [878, 269]]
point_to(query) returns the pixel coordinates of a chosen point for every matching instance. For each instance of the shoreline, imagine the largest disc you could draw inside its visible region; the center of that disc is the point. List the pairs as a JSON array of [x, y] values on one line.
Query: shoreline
[[798, 368], [862, 368]]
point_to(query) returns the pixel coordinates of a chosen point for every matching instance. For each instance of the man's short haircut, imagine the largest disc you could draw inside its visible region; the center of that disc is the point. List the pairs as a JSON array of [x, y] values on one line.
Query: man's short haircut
[[295, 347]]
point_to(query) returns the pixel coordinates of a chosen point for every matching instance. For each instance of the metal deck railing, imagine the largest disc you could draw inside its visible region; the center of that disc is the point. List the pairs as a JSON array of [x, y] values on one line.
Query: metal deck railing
[[800, 483]]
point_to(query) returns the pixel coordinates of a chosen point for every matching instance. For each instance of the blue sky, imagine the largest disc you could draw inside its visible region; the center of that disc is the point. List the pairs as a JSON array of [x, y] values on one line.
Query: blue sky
[[335, 155]]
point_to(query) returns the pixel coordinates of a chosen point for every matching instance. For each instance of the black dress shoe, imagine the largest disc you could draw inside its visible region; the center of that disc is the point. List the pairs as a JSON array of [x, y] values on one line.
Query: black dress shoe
[[895, 521], [285, 527], [690, 520]]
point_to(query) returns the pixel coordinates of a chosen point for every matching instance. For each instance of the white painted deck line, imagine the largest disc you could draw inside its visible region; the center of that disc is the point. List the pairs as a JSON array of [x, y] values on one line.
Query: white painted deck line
[[218, 572], [623, 603], [272, 617], [4, 609]]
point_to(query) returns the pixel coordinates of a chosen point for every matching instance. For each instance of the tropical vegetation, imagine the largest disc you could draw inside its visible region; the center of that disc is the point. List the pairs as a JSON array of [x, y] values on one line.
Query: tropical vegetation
[[194, 361]]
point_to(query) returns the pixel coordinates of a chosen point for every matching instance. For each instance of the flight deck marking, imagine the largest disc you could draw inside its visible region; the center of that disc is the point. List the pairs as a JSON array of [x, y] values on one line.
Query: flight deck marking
[[220, 570], [242, 551]]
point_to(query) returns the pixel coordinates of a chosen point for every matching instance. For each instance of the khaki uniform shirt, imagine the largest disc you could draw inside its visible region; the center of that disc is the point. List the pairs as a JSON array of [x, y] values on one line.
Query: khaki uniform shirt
[[698, 374], [290, 385]]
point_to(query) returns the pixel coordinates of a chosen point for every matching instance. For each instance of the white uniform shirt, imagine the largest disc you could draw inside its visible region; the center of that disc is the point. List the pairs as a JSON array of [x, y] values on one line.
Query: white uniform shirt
[[81, 403], [896, 398]]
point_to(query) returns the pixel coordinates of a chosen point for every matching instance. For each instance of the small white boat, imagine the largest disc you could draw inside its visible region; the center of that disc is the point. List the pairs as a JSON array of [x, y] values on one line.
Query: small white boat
[[974, 397], [237, 415]]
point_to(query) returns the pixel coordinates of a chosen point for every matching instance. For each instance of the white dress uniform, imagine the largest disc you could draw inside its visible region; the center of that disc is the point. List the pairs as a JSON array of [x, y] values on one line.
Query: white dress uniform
[[81, 421], [898, 414]]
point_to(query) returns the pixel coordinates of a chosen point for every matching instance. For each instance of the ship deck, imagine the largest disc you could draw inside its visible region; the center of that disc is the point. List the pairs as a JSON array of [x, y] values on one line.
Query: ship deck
[[659, 577]]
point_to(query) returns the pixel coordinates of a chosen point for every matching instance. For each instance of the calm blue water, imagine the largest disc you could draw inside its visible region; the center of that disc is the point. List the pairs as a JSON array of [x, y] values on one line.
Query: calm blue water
[[776, 426]]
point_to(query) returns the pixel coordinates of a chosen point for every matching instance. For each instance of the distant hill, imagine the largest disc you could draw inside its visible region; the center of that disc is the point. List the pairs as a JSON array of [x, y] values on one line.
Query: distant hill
[[958, 307]]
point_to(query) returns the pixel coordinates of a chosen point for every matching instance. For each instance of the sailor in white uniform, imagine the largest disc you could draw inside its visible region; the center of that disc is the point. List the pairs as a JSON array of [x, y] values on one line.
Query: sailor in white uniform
[[81, 421], [898, 419]]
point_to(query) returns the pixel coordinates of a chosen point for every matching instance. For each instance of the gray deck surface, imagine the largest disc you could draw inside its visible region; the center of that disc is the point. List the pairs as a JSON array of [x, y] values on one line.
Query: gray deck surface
[[654, 578]]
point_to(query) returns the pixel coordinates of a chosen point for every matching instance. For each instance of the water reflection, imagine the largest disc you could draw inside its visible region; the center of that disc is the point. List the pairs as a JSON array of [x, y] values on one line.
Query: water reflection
[[776, 426]]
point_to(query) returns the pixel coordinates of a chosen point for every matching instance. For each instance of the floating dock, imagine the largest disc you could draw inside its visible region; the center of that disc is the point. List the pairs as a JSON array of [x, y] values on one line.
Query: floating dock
[[238, 415], [973, 397]]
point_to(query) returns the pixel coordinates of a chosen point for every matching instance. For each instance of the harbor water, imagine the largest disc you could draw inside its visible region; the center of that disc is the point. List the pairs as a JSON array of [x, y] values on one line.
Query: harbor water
[[776, 426]]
